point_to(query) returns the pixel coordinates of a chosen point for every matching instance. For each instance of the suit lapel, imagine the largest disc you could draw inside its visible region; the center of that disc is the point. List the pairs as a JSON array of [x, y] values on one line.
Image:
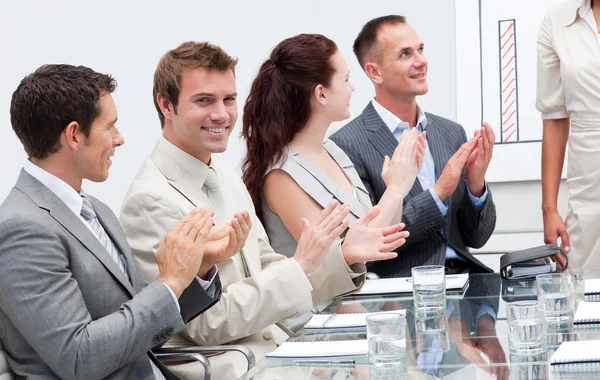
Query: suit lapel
[[114, 231], [47, 200]]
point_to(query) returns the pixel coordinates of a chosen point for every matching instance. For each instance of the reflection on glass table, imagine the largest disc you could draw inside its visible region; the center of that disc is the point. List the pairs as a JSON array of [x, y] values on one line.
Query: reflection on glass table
[[468, 341]]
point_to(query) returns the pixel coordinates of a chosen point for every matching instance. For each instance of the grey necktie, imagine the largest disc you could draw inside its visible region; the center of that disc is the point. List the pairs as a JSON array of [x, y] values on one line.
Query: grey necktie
[[88, 213], [217, 202], [213, 187]]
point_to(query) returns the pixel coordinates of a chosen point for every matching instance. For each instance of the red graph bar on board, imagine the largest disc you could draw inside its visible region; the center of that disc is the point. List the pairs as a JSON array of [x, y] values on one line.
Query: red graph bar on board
[[509, 112]]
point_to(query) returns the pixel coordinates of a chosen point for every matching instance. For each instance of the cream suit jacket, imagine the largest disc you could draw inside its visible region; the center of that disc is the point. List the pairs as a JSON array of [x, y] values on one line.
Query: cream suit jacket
[[260, 287]]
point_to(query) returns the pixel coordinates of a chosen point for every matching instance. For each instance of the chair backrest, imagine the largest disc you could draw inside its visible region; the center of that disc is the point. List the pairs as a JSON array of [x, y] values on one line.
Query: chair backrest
[[5, 373]]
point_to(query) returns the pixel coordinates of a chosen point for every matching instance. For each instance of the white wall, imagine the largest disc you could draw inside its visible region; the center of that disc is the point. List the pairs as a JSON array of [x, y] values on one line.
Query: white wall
[[126, 39]]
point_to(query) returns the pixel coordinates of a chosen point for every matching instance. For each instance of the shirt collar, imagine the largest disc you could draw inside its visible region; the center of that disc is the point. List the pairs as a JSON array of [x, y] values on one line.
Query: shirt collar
[[70, 197], [392, 121], [582, 10], [194, 169]]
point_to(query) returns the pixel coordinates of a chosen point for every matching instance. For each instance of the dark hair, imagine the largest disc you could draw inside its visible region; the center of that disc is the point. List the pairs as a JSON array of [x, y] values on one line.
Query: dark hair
[[367, 38], [52, 97], [167, 77], [278, 105]]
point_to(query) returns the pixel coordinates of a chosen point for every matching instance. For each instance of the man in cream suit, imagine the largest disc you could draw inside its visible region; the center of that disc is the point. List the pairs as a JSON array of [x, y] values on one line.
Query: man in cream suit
[[73, 303], [195, 96]]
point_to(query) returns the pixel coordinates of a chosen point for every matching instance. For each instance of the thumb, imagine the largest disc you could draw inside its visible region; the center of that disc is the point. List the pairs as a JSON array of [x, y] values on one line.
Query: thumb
[[564, 240], [386, 165], [305, 224], [369, 216]]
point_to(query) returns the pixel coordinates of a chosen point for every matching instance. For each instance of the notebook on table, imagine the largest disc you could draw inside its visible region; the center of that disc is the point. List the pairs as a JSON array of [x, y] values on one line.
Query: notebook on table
[[321, 349], [577, 356], [404, 285], [337, 321], [587, 312]]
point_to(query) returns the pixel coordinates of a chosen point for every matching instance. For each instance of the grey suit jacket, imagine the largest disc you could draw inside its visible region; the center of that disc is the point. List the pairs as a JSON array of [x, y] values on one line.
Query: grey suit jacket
[[367, 140], [66, 309]]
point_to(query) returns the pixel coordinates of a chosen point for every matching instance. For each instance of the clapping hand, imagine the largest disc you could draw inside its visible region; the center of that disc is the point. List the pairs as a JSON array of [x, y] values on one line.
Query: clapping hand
[[225, 240], [364, 243], [399, 172]]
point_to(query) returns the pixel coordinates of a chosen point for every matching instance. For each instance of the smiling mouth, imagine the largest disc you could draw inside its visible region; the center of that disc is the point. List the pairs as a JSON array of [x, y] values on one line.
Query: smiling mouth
[[418, 76], [215, 130]]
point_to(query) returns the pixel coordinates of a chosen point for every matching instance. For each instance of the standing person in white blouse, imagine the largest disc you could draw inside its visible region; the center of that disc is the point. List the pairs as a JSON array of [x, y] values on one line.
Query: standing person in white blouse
[[568, 94]]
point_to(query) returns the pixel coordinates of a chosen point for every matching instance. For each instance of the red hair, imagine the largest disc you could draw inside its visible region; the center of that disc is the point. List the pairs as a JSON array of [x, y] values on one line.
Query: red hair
[[278, 105]]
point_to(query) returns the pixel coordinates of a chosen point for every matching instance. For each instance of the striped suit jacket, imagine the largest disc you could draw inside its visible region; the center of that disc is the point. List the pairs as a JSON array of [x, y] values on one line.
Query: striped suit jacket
[[367, 140]]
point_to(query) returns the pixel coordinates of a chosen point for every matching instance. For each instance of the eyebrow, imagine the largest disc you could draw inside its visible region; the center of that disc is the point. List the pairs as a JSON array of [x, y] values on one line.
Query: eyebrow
[[409, 48], [114, 121], [212, 95]]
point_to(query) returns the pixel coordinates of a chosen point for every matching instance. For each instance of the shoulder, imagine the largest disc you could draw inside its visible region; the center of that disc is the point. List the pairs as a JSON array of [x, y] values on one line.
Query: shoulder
[[563, 12], [353, 128], [21, 218], [147, 177], [449, 128]]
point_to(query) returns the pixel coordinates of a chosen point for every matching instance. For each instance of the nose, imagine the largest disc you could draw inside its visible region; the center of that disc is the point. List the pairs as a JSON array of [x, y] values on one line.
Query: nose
[[219, 113], [420, 61], [118, 139], [352, 86]]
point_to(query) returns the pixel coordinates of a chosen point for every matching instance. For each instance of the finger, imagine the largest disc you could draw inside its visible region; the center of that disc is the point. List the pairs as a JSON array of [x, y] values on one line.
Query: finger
[[391, 246], [179, 226], [369, 216], [305, 224], [191, 222], [232, 245], [468, 149], [205, 230], [342, 213], [385, 254], [564, 240], [340, 229], [327, 211], [245, 223], [392, 229], [395, 236], [485, 141], [490, 134], [386, 165], [238, 228]]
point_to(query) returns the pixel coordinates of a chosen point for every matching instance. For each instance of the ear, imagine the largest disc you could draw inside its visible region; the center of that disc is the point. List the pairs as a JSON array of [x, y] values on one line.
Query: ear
[[72, 136], [319, 94], [373, 72], [166, 107]]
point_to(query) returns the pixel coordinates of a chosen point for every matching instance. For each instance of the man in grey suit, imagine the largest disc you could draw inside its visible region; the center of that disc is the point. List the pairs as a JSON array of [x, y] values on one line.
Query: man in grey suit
[[449, 208], [73, 304]]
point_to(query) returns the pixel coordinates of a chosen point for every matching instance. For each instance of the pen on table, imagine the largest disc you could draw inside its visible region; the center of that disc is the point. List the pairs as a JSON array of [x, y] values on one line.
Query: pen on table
[[409, 279], [324, 362], [329, 319]]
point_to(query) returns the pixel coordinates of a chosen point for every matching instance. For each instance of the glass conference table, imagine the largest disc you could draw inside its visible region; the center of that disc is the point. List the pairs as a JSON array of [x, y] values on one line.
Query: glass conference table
[[476, 346]]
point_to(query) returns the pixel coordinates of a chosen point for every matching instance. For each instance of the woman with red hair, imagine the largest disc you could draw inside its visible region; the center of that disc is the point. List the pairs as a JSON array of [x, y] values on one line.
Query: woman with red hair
[[291, 171]]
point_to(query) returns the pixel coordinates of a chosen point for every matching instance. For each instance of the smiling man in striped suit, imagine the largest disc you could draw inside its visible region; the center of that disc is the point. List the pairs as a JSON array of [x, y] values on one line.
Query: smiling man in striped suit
[[449, 207]]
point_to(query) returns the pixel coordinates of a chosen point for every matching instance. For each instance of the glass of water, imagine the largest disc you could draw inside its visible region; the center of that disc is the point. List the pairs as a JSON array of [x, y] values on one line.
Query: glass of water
[[526, 328], [556, 293], [387, 344], [429, 289]]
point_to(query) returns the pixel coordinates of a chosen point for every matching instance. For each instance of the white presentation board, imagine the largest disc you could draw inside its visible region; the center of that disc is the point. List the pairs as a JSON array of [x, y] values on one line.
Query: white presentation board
[[496, 80]]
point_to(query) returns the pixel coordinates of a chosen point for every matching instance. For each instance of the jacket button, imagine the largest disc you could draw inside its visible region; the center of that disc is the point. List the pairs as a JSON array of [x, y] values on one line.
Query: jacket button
[[268, 335], [169, 331], [155, 339]]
